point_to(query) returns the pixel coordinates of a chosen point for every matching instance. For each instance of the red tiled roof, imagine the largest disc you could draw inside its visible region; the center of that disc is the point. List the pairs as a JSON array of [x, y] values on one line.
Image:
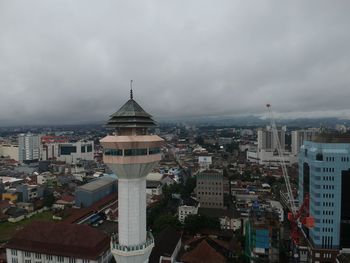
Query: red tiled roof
[[70, 240], [203, 253], [67, 198]]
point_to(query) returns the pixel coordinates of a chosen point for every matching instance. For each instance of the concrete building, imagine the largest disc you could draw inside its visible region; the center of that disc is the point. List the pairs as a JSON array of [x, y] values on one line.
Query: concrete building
[[204, 162], [28, 147], [265, 153], [29, 192], [47, 242], [68, 152], [188, 207], [324, 174], [9, 150], [270, 158], [90, 193], [210, 189], [131, 153], [299, 136], [266, 140]]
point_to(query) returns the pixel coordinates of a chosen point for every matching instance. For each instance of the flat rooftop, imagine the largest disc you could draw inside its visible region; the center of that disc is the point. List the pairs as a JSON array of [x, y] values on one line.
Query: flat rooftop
[[332, 138], [97, 184]]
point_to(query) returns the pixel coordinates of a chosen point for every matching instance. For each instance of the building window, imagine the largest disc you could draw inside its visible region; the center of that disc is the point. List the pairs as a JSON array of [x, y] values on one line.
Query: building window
[[27, 261], [49, 257], [114, 152], [154, 150], [13, 252], [89, 148], [67, 150], [27, 254], [71, 260], [319, 157], [14, 260], [37, 256], [135, 152], [60, 259], [86, 261]]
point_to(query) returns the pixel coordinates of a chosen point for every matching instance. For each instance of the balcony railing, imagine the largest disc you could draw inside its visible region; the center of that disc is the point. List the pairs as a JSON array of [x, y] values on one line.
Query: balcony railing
[[115, 244]]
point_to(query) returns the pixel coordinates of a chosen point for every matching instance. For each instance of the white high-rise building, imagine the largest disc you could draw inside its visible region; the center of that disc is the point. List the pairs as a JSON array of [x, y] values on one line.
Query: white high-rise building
[[28, 147], [266, 140], [299, 136], [131, 153]]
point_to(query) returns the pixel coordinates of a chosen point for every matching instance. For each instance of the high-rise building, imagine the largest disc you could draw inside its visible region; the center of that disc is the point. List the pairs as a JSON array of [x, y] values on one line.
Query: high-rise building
[[266, 140], [28, 147], [131, 152], [324, 174], [299, 136], [210, 189]]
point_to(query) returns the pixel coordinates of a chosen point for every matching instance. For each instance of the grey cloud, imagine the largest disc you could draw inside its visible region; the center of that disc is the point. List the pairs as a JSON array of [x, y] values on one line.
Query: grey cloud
[[67, 61]]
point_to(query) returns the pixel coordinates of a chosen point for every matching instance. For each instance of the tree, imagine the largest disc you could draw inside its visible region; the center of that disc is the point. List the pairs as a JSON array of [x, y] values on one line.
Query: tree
[[193, 223], [164, 221], [49, 199], [188, 188]]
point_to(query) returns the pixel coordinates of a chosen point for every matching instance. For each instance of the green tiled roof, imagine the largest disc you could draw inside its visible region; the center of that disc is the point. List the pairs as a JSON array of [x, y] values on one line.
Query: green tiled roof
[[130, 115]]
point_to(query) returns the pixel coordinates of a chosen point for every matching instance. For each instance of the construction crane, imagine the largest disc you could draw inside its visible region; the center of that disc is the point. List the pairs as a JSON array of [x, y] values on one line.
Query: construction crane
[[297, 216]]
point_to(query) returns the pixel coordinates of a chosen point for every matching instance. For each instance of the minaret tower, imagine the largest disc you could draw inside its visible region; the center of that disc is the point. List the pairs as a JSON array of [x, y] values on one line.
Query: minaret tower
[[131, 153]]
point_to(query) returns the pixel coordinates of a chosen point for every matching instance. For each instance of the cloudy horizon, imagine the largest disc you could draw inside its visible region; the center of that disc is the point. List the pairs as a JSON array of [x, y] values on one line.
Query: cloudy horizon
[[67, 62]]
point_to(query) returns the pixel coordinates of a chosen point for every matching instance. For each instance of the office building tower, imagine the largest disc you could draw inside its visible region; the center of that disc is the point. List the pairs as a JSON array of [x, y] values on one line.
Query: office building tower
[[266, 141], [210, 189], [324, 175], [299, 136], [28, 147]]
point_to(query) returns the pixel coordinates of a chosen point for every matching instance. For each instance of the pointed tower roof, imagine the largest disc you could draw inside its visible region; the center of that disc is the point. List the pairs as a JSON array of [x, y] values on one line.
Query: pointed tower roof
[[130, 115]]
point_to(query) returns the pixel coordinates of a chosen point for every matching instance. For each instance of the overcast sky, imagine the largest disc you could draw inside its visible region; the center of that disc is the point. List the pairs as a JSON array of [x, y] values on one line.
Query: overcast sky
[[71, 61]]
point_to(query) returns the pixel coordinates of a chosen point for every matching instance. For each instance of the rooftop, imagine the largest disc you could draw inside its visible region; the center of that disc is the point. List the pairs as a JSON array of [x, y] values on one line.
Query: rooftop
[[97, 184], [333, 137], [71, 240], [130, 115]]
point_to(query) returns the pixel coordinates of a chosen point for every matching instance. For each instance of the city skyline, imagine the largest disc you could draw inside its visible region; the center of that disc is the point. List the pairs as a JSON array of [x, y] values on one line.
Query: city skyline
[[58, 59]]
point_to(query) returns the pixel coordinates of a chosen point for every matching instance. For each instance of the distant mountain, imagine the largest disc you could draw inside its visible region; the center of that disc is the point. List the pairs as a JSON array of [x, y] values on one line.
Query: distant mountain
[[252, 120]]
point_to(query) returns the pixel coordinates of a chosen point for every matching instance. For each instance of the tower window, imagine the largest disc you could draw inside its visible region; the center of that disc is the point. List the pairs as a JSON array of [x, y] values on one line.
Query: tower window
[[135, 152], [154, 150], [114, 152]]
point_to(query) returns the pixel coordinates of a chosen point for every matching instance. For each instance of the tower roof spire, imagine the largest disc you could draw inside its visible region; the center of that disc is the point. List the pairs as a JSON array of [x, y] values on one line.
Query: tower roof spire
[[131, 92]]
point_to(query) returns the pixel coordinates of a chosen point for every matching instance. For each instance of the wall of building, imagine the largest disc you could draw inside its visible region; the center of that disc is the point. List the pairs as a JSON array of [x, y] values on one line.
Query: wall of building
[[18, 256], [68, 152], [28, 147], [210, 189], [85, 197], [185, 210], [9, 150], [323, 168]]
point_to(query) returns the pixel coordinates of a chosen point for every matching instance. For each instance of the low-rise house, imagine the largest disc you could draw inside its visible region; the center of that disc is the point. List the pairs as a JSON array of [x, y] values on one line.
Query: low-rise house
[[65, 200], [27, 206], [16, 214], [189, 206], [58, 243], [154, 187]]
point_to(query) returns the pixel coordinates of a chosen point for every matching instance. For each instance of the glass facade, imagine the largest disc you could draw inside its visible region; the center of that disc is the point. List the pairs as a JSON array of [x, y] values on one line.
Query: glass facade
[[135, 152], [67, 150], [131, 152], [155, 150], [114, 152]]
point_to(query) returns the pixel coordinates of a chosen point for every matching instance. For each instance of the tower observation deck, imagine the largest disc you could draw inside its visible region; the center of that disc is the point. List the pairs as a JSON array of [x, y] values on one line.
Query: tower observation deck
[[131, 153]]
